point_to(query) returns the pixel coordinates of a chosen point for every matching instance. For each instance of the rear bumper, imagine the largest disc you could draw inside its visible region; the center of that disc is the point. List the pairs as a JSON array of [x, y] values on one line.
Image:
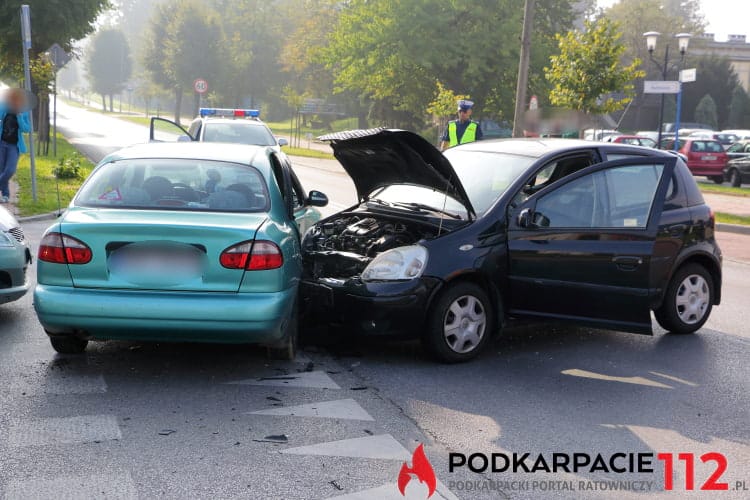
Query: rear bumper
[[12, 294], [164, 316]]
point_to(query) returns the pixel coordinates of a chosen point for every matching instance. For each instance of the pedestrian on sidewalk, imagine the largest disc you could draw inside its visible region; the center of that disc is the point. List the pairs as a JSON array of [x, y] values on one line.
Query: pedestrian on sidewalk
[[14, 122], [463, 130]]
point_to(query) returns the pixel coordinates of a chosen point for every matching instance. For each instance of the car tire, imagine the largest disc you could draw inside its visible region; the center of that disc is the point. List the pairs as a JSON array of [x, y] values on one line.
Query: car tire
[[286, 350], [68, 345], [718, 179], [688, 301], [451, 338], [734, 178]]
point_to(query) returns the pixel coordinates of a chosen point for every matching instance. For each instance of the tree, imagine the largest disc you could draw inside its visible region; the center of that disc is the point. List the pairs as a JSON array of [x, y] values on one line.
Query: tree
[[109, 64], [739, 109], [588, 70], [716, 77], [705, 112]]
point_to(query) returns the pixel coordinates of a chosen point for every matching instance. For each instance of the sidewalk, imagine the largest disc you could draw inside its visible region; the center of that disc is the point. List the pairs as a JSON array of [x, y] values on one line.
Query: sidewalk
[[728, 204], [734, 246]]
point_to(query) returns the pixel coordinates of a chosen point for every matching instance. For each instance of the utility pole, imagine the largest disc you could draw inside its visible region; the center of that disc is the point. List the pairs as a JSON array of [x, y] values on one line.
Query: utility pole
[[523, 68], [26, 39]]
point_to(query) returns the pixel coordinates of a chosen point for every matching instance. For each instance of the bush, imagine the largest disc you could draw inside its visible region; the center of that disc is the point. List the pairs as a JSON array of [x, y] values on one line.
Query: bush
[[69, 167]]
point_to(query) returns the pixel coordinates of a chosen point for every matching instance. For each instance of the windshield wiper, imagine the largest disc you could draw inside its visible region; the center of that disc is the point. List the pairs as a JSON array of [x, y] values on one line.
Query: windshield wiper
[[420, 206]]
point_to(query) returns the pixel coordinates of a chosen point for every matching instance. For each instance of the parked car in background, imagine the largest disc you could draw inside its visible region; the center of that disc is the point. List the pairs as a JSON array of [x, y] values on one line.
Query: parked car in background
[[496, 130], [193, 242], [15, 258], [668, 128], [448, 248], [740, 133], [651, 134], [632, 140], [737, 171], [726, 140], [739, 149], [705, 157], [597, 134]]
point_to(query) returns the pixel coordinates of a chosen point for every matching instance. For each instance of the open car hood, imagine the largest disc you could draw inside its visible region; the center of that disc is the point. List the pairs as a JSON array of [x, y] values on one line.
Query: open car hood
[[377, 158]]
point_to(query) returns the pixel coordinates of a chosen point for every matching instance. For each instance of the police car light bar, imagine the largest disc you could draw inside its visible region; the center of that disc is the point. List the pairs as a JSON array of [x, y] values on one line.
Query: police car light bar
[[238, 113]]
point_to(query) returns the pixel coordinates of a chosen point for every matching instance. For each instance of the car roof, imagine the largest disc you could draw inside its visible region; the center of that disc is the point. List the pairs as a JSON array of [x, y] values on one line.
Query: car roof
[[536, 148], [245, 121], [235, 153]]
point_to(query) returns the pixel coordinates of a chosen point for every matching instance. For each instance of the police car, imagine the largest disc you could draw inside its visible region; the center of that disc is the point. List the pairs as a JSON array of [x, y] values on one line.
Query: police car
[[237, 126]]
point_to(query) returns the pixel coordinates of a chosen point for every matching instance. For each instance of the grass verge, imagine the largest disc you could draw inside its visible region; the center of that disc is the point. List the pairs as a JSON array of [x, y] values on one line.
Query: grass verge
[[307, 153], [718, 189], [46, 183], [725, 218]]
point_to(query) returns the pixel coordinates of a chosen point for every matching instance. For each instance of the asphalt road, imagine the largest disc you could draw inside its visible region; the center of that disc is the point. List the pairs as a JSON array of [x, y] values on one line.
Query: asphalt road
[[137, 420]]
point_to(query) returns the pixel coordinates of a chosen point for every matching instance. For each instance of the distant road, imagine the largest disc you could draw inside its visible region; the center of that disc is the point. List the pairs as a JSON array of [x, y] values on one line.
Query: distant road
[[96, 135]]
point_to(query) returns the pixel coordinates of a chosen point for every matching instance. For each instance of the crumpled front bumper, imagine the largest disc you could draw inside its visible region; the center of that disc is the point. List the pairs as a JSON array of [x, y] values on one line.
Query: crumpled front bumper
[[375, 308]]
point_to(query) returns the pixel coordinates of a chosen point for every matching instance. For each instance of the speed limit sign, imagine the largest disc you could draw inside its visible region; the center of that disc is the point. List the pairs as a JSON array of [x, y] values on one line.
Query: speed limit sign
[[200, 85]]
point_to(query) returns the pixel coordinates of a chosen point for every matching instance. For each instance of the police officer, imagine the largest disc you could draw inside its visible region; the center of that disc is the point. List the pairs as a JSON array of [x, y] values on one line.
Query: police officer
[[463, 130]]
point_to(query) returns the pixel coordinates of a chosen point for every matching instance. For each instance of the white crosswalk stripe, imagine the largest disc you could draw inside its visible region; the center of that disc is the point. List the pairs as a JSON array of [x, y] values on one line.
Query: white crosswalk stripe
[[109, 487], [345, 409], [383, 446], [67, 430], [310, 380]]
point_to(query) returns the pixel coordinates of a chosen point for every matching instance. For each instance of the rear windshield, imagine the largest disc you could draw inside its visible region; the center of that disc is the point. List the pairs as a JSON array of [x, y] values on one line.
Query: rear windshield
[[706, 146], [175, 184], [238, 132]]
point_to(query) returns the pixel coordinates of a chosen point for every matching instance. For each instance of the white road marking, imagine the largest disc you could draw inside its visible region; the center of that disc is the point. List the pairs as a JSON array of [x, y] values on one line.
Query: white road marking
[[68, 430], [387, 492], [611, 378], [383, 446], [109, 487], [346, 409], [60, 384], [312, 380]]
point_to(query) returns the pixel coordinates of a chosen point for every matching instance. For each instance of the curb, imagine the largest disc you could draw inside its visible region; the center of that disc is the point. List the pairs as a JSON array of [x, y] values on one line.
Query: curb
[[732, 228], [40, 217]]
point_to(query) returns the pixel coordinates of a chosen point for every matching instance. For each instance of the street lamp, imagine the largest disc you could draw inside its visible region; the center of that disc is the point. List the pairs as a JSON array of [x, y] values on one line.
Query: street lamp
[[683, 39]]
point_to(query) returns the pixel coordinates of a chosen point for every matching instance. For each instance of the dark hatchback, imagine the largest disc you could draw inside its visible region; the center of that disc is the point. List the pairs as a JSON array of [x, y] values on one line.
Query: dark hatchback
[[449, 247]]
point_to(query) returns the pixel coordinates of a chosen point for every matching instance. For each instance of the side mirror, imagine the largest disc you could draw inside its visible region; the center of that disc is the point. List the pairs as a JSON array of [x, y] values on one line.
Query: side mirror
[[282, 142], [524, 218], [317, 199]]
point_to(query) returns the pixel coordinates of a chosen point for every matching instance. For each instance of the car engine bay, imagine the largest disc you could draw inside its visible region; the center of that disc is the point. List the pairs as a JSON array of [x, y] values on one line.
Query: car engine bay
[[343, 245]]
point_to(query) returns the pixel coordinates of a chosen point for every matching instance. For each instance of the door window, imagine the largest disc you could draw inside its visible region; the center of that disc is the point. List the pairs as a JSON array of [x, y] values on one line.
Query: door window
[[552, 172], [619, 197]]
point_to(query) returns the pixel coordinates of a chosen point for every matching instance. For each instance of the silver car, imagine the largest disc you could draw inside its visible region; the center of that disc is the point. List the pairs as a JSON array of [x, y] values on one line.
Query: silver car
[[15, 258]]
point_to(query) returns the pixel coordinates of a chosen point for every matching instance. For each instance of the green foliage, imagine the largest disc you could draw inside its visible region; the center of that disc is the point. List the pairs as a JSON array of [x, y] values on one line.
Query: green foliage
[[589, 67], [109, 64], [444, 104], [705, 112], [715, 76], [739, 109], [69, 167], [52, 21]]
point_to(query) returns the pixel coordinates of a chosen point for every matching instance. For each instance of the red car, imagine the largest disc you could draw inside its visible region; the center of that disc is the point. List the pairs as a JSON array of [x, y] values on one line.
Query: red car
[[704, 157], [635, 140]]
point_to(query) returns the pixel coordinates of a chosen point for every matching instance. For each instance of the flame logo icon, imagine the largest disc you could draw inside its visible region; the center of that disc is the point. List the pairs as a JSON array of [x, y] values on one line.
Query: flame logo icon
[[421, 469]]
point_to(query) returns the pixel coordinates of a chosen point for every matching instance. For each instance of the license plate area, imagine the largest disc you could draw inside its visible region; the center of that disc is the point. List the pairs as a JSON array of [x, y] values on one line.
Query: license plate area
[[156, 262], [708, 158]]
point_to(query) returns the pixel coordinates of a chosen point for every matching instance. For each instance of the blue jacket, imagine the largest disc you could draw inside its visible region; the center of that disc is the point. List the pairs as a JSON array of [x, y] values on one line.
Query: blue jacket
[[24, 125]]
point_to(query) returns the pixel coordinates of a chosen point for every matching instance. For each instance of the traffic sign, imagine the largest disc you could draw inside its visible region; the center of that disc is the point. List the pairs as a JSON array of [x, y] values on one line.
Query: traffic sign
[[57, 56], [200, 85], [661, 87], [688, 75]]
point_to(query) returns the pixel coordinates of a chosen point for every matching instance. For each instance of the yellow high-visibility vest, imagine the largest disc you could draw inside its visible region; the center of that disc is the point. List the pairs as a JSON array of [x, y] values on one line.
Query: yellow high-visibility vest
[[470, 134]]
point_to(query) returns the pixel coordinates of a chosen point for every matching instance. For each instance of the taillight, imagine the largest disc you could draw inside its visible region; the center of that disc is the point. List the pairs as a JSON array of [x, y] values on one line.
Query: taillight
[[60, 248], [253, 256]]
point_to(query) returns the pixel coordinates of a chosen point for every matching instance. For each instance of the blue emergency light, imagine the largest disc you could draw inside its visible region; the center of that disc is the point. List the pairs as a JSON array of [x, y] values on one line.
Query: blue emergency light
[[227, 112]]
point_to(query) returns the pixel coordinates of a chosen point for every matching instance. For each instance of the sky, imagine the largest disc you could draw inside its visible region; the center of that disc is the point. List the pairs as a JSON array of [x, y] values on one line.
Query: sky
[[724, 17]]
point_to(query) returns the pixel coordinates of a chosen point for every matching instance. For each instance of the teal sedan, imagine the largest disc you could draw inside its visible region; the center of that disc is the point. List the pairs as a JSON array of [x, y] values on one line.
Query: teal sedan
[[178, 242]]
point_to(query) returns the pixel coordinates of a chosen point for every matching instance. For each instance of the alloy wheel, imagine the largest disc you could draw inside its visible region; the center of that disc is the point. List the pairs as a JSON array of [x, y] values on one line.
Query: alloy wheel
[[464, 324]]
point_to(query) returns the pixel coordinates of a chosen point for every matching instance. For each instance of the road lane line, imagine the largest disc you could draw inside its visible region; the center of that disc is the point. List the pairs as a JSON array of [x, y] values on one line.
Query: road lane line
[[345, 409], [111, 487], [311, 380], [383, 446], [67, 430]]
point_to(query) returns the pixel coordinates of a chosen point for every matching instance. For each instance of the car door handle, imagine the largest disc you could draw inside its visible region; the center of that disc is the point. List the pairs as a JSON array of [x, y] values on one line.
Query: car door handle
[[627, 262], [677, 229]]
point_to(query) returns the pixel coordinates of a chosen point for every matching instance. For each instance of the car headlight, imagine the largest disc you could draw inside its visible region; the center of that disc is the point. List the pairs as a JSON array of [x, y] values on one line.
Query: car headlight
[[403, 263], [6, 240]]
